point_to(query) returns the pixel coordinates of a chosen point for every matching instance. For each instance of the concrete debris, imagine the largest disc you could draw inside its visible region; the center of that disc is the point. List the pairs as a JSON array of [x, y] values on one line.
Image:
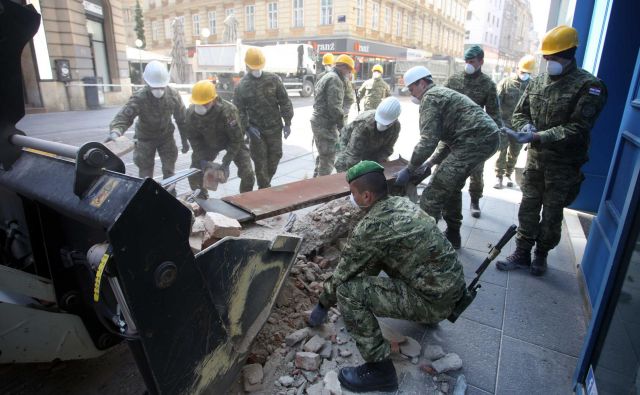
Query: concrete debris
[[286, 381], [296, 337], [309, 375], [120, 146], [332, 384], [315, 389], [308, 360], [314, 344], [213, 176], [252, 377], [433, 352], [448, 363], [411, 347], [326, 350], [461, 386], [328, 366], [219, 226], [391, 335], [345, 353]]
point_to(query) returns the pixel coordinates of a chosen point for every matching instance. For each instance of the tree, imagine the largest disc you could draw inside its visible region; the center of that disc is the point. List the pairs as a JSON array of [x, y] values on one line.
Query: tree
[[180, 72], [140, 24]]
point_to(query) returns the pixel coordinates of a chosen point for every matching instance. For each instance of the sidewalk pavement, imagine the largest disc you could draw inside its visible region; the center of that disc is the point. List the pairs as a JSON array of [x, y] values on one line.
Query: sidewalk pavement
[[522, 334]]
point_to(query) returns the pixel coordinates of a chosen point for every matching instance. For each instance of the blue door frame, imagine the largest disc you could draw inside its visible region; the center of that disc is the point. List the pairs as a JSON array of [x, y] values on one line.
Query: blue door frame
[[610, 231]]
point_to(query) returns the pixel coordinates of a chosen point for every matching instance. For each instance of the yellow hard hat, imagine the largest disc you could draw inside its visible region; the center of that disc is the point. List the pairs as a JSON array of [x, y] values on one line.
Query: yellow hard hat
[[559, 39], [377, 68], [327, 59], [348, 60], [254, 58], [203, 92], [527, 63]]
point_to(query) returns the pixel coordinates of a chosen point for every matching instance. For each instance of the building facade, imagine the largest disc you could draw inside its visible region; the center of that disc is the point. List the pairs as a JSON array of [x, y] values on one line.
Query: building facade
[[483, 27], [76, 40], [372, 31], [516, 36]]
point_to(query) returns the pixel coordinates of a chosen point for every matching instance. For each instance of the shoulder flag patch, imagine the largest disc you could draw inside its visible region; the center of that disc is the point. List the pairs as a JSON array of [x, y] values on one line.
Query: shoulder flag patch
[[594, 91]]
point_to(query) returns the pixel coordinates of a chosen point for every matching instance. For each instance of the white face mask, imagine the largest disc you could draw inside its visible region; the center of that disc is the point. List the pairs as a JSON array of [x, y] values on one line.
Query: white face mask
[[200, 109], [352, 200], [157, 92], [376, 74], [381, 127], [256, 73], [524, 76], [327, 67], [469, 69], [554, 68], [415, 100]]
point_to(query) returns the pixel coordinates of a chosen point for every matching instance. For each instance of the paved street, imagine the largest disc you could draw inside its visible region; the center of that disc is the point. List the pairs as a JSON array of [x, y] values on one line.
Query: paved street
[[522, 335]]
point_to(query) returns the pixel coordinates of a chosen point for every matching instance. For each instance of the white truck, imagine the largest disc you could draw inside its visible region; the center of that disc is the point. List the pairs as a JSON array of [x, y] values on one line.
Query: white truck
[[294, 63]]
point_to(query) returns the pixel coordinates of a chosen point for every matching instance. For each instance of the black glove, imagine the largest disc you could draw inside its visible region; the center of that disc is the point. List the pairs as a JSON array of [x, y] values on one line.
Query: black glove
[[318, 315], [421, 173], [185, 146], [113, 135], [225, 170], [402, 177], [520, 137], [286, 131], [254, 133]]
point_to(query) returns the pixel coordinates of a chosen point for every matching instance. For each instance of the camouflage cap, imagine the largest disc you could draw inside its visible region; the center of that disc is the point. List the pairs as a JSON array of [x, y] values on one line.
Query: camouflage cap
[[362, 168], [474, 51]]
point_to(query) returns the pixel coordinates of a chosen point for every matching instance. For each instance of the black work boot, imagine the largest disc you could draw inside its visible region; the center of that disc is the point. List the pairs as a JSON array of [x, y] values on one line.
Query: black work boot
[[475, 208], [510, 182], [520, 259], [370, 376], [454, 237], [539, 264]]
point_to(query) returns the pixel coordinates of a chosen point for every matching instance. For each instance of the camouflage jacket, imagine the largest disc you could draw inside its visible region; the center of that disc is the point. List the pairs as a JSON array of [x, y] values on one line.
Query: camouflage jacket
[[329, 99], [396, 236], [372, 92], [154, 115], [217, 130], [509, 91], [263, 102], [479, 88], [349, 96], [450, 117], [563, 109], [360, 140]]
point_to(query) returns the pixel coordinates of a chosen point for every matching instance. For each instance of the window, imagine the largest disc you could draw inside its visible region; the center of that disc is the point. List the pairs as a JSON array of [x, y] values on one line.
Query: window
[[375, 16], [326, 12], [212, 21], [181, 19], [298, 13], [469, 15], [272, 15], [250, 12], [488, 18], [399, 18], [196, 24], [409, 26], [387, 20], [155, 30], [229, 11], [360, 13], [466, 34], [167, 29]]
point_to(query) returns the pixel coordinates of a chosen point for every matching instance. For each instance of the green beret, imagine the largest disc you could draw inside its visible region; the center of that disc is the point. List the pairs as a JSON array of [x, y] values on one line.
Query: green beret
[[362, 168], [473, 51]]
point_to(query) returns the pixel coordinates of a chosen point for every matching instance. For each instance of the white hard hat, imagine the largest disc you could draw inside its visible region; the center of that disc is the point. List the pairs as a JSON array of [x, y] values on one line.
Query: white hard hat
[[156, 74], [388, 110], [415, 73]]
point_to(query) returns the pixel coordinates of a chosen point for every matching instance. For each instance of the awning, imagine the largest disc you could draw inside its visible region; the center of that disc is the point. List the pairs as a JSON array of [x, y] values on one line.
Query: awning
[[140, 55]]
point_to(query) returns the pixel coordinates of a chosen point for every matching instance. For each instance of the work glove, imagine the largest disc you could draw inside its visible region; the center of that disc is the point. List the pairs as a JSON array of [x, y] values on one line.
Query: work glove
[[528, 128], [286, 131], [402, 177], [225, 170], [185, 146], [318, 315], [520, 137], [113, 135], [421, 173], [254, 133]]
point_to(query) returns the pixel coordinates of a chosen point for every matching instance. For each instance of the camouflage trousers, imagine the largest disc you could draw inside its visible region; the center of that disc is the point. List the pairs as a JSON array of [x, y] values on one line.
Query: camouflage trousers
[[266, 154], [242, 162], [325, 139], [506, 162], [144, 156], [476, 181], [362, 299], [443, 197], [549, 189]]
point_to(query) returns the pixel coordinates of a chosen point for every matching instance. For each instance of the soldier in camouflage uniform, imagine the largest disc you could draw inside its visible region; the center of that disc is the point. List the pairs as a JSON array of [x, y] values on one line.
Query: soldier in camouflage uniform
[[213, 125], [425, 278], [479, 87], [470, 136], [263, 103], [555, 116], [371, 136], [328, 113], [510, 89], [373, 90], [153, 105], [327, 64]]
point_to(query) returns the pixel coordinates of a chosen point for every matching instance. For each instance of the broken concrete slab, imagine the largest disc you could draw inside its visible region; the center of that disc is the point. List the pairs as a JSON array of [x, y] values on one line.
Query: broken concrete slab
[[447, 363], [411, 347], [286, 381], [315, 389], [120, 146], [294, 338], [252, 373], [219, 226], [332, 384], [307, 360], [314, 344], [433, 352], [390, 334], [326, 350]]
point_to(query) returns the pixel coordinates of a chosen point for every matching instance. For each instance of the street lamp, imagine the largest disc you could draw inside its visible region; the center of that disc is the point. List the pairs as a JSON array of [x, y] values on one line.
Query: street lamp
[[139, 44], [205, 33]]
